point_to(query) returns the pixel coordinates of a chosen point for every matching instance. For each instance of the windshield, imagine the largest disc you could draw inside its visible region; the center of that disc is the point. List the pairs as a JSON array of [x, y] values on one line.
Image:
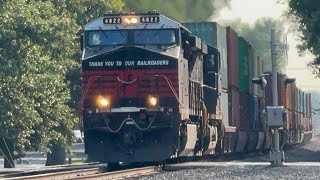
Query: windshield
[[107, 38], [159, 36]]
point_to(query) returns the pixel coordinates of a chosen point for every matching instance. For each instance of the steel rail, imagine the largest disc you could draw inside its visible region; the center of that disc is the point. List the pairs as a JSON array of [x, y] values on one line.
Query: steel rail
[[61, 175], [123, 174]]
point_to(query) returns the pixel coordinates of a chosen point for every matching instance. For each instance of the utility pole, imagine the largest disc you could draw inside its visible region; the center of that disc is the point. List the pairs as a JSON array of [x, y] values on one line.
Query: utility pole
[[276, 156]]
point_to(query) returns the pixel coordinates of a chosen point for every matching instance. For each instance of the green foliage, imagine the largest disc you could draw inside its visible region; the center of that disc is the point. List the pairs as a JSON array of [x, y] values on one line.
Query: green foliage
[[258, 36], [179, 10], [36, 47], [38, 50], [307, 15], [87, 10]]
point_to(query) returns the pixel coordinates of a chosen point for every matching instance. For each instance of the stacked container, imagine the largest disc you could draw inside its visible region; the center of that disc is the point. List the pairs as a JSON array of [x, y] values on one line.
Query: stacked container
[[215, 35], [262, 106], [289, 104], [298, 117], [243, 65], [233, 78], [244, 120], [243, 72], [260, 96], [281, 89], [302, 107], [253, 70], [259, 92], [295, 118], [308, 111]]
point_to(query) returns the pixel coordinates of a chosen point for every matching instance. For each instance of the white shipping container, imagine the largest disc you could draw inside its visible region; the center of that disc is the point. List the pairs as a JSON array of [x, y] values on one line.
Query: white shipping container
[[222, 47], [225, 108]]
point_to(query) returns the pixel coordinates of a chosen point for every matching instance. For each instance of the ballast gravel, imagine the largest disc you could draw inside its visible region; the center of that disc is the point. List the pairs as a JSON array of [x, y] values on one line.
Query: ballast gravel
[[302, 162], [239, 172]]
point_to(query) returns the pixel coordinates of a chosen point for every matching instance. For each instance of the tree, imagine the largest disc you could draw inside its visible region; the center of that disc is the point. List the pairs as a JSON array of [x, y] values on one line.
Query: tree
[[179, 10], [38, 49], [307, 15]]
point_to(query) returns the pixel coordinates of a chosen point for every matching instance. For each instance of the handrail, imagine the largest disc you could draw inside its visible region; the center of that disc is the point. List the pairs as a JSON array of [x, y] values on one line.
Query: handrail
[[169, 84], [134, 122], [90, 81]]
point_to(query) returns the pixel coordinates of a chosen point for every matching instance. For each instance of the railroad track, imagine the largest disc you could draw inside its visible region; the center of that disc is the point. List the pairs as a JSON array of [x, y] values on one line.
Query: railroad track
[[61, 175], [94, 173], [99, 171], [123, 174]]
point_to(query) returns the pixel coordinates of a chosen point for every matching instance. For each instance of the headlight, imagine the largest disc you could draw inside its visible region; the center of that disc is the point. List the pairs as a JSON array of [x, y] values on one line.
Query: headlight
[[153, 101], [103, 101], [130, 20]]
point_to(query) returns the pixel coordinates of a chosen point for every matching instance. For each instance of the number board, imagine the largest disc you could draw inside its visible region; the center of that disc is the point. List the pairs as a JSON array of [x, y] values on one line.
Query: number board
[[112, 20], [149, 19]]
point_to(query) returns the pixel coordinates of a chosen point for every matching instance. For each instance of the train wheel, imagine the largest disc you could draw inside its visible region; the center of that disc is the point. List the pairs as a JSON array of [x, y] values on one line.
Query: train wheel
[[162, 164]]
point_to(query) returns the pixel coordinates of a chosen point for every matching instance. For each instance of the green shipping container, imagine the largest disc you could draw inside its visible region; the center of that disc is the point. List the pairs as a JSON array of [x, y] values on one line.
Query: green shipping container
[[243, 65], [215, 35], [252, 62]]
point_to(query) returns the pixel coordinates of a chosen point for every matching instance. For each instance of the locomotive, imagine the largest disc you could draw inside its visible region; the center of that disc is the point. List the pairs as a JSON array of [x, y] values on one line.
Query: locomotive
[[152, 91]]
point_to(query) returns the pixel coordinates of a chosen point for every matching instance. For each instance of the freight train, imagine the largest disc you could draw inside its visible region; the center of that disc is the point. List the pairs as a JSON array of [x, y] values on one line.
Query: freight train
[[154, 89]]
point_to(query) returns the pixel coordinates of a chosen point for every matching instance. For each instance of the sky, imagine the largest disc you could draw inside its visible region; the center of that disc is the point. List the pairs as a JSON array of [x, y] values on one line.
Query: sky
[[251, 10]]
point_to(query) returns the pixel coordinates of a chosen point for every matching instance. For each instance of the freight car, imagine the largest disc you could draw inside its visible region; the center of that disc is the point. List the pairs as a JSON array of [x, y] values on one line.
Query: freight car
[[155, 89]]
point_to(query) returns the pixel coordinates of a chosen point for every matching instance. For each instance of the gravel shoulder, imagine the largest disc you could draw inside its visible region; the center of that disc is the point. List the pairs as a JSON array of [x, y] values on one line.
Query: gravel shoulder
[[302, 162]]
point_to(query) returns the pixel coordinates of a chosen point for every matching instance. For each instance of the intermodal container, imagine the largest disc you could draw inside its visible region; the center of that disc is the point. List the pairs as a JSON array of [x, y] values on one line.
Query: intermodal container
[[243, 65], [259, 73], [232, 56], [215, 35], [303, 123], [309, 111], [234, 107], [261, 107], [290, 96], [309, 105], [310, 100], [306, 103], [256, 110], [253, 112], [293, 95], [294, 120], [306, 123], [289, 119], [298, 119], [303, 103], [225, 108], [244, 120], [253, 70], [268, 89], [280, 87], [299, 101]]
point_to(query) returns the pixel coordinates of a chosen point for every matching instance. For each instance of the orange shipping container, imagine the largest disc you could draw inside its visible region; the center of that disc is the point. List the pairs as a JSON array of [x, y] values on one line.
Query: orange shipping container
[[289, 119]]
